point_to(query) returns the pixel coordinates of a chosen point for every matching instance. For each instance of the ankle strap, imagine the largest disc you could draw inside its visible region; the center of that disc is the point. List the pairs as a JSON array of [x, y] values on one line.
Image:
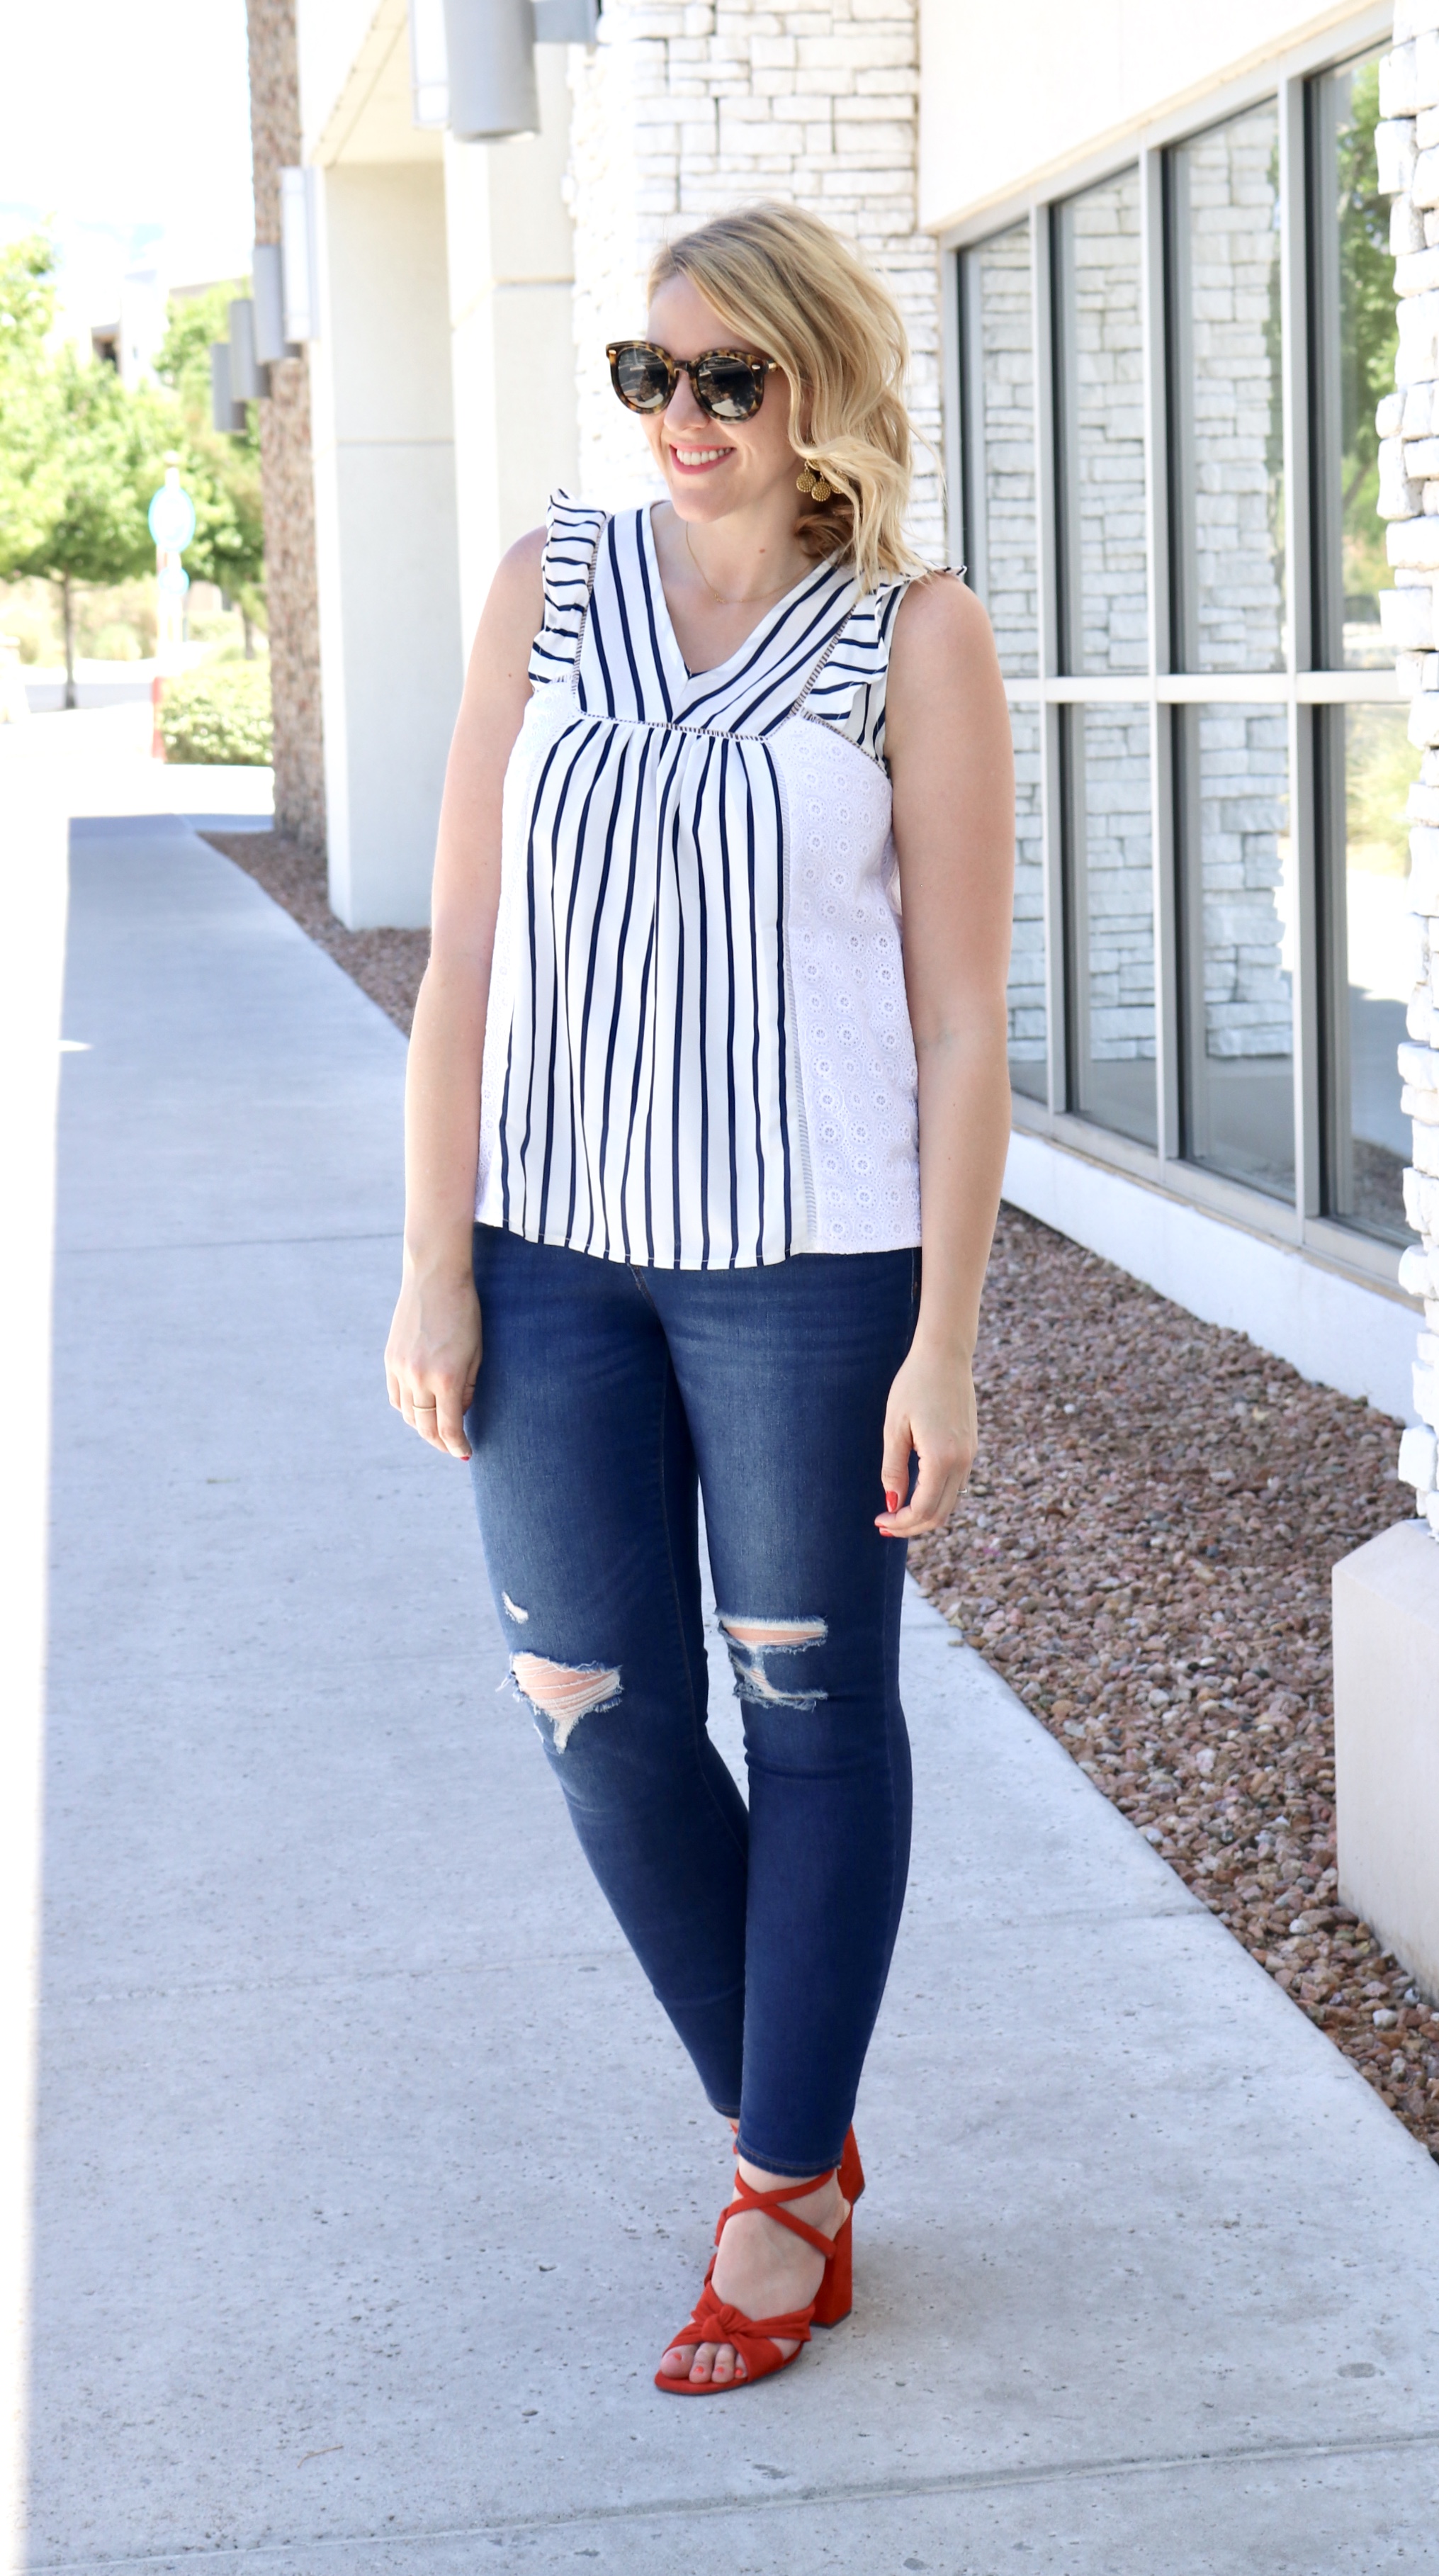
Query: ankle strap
[[772, 2204]]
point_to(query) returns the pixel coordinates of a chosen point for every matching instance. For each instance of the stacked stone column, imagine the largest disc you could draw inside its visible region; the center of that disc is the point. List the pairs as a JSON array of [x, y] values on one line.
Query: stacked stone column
[[286, 470], [1407, 142]]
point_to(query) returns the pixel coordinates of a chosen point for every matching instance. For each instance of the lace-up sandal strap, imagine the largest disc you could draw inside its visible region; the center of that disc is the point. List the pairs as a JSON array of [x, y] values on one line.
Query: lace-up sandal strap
[[771, 2203], [756, 2341]]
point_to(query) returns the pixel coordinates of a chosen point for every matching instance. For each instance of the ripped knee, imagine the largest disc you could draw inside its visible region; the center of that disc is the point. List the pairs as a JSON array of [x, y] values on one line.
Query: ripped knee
[[752, 1642], [564, 1693]]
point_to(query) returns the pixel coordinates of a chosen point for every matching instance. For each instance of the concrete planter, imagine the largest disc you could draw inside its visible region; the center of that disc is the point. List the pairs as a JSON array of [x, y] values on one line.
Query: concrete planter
[[1386, 1741]]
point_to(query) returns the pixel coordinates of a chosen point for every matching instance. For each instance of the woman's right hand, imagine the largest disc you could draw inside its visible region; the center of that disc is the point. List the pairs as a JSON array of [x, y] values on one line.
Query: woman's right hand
[[432, 1358]]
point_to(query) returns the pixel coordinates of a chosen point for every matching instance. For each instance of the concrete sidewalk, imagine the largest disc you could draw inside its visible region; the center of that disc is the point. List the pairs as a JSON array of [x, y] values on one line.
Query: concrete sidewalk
[[370, 2180]]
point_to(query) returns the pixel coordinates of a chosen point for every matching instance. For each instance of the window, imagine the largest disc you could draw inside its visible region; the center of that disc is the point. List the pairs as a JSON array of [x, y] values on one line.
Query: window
[[1111, 917], [1104, 619], [1001, 541], [1237, 942], [1226, 397], [1169, 475], [1000, 484], [1367, 764]]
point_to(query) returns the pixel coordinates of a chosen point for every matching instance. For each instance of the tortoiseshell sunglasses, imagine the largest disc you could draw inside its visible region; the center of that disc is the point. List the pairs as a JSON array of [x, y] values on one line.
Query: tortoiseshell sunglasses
[[727, 384]]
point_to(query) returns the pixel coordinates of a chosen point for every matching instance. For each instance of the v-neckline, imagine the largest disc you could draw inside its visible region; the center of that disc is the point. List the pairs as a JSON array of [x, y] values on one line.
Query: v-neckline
[[690, 679]]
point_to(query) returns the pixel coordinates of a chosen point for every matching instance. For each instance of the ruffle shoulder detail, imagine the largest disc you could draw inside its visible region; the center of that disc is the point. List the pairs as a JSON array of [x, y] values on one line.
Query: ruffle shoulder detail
[[573, 533], [848, 694]]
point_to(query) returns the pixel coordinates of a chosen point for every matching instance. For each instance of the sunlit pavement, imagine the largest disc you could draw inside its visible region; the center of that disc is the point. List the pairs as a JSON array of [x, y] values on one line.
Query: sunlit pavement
[[97, 761], [370, 2183]]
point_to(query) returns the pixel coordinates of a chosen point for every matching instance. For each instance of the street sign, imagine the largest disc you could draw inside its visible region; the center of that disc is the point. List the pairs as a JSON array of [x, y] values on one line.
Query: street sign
[[172, 518], [173, 579]]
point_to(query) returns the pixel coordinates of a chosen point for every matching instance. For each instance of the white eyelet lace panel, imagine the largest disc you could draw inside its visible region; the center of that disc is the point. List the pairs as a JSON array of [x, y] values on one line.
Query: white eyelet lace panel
[[855, 1049]]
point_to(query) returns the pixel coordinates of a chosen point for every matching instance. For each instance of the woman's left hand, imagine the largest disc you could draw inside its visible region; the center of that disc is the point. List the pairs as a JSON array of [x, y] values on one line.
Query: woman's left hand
[[931, 1413]]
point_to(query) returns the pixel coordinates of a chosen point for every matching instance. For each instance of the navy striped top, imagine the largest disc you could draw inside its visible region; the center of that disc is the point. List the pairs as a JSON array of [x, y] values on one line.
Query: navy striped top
[[697, 1049]]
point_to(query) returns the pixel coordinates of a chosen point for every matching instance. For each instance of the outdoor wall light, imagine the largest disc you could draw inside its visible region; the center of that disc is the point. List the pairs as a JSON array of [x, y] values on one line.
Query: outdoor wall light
[[268, 272], [248, 381], [429, 64], [228, 416], [566, 22], [297, 256], [472, 62]]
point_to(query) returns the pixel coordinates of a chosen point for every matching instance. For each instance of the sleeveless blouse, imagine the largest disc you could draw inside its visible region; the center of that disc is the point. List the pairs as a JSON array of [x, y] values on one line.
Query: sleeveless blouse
[[697, 1048]]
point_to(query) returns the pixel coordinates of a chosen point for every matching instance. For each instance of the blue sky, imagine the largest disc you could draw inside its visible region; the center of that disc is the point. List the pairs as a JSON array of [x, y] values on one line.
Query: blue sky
[[125, 123]]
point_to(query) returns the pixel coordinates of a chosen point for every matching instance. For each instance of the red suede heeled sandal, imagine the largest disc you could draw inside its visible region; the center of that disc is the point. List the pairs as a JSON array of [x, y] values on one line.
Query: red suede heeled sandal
[[756, 2340]]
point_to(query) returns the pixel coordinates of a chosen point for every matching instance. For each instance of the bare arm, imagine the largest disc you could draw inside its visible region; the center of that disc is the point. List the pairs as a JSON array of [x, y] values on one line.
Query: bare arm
[[948, 739], [432, 1358]]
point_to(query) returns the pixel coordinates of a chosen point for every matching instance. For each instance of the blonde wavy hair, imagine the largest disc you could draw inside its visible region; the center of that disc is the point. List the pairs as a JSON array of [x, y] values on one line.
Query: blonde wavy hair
[[791, 290]]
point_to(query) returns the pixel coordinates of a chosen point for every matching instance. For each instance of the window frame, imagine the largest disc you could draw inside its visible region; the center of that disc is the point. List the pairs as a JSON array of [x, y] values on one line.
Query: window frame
[[1302, 687]]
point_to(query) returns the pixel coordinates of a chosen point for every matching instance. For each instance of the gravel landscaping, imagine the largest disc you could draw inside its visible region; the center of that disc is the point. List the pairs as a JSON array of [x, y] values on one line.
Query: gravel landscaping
[[1144, 1553]]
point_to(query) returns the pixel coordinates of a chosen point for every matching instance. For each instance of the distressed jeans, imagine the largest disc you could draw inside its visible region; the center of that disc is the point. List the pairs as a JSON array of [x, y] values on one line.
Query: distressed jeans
[[609, 1397]]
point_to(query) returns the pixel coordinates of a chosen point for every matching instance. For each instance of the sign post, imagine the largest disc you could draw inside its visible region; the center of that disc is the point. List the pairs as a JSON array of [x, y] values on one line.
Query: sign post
[[172, 525]]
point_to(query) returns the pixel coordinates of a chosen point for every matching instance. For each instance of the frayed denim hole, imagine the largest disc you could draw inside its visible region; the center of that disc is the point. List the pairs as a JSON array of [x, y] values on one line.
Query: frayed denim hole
[[751, 1641], [565, 1693]]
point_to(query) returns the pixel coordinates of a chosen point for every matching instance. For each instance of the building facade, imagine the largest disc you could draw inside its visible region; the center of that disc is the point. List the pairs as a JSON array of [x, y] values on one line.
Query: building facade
[[1152, 314], [1169, 339]]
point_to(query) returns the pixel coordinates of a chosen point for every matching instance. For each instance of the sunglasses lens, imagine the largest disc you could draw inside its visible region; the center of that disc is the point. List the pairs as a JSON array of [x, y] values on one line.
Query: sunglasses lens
[[641, 378], [729, 388]]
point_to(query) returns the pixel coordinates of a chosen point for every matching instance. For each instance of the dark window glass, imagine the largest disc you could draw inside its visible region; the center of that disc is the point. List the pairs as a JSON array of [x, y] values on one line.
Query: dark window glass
[[1226, 396], [1028, 993], [1001, 546], [1353, 336], [1238, 942], [998, 436], [1367, 767], [1110, 886], [1099, 351]]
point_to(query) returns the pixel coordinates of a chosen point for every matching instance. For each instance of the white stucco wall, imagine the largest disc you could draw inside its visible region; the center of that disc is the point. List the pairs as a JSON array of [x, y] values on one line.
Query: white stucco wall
[[328, 36], [511, 288], [1089, 72], [386, 538]]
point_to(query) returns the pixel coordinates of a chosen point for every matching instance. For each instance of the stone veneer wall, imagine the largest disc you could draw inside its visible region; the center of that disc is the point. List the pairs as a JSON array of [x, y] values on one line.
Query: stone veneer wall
[[685, 107], [1407, 143], [286, 477]]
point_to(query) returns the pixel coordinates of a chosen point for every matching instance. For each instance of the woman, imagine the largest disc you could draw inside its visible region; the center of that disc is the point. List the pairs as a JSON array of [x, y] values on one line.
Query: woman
[[668, 1022]]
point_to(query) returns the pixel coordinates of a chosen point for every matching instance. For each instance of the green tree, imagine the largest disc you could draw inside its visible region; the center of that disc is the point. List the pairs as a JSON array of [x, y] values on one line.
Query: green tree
[[79, 455], [29, 457], [109, 455], [1369, 331], [221, 473], [1367, 278]]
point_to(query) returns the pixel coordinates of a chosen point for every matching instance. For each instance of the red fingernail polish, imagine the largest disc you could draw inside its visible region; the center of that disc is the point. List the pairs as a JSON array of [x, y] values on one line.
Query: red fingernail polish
[[891, 1501]]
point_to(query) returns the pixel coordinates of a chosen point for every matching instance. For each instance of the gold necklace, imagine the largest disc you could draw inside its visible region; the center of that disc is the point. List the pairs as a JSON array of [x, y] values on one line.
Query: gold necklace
[[751, 598]]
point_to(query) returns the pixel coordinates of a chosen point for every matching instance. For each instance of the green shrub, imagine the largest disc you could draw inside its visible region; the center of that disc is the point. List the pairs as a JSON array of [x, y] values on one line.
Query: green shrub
[[219, 712]]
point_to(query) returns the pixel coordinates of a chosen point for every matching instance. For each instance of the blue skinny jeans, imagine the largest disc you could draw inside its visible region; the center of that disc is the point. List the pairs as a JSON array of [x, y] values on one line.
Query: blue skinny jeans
[[609, 1397]]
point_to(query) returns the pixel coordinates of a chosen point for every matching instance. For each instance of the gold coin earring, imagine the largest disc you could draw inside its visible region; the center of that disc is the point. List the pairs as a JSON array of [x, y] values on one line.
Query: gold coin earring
[[811, 482]]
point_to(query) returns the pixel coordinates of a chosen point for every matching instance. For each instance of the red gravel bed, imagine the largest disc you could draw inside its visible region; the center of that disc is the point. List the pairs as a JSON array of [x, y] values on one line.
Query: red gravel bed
[[386, 964], [1144, 1553]]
